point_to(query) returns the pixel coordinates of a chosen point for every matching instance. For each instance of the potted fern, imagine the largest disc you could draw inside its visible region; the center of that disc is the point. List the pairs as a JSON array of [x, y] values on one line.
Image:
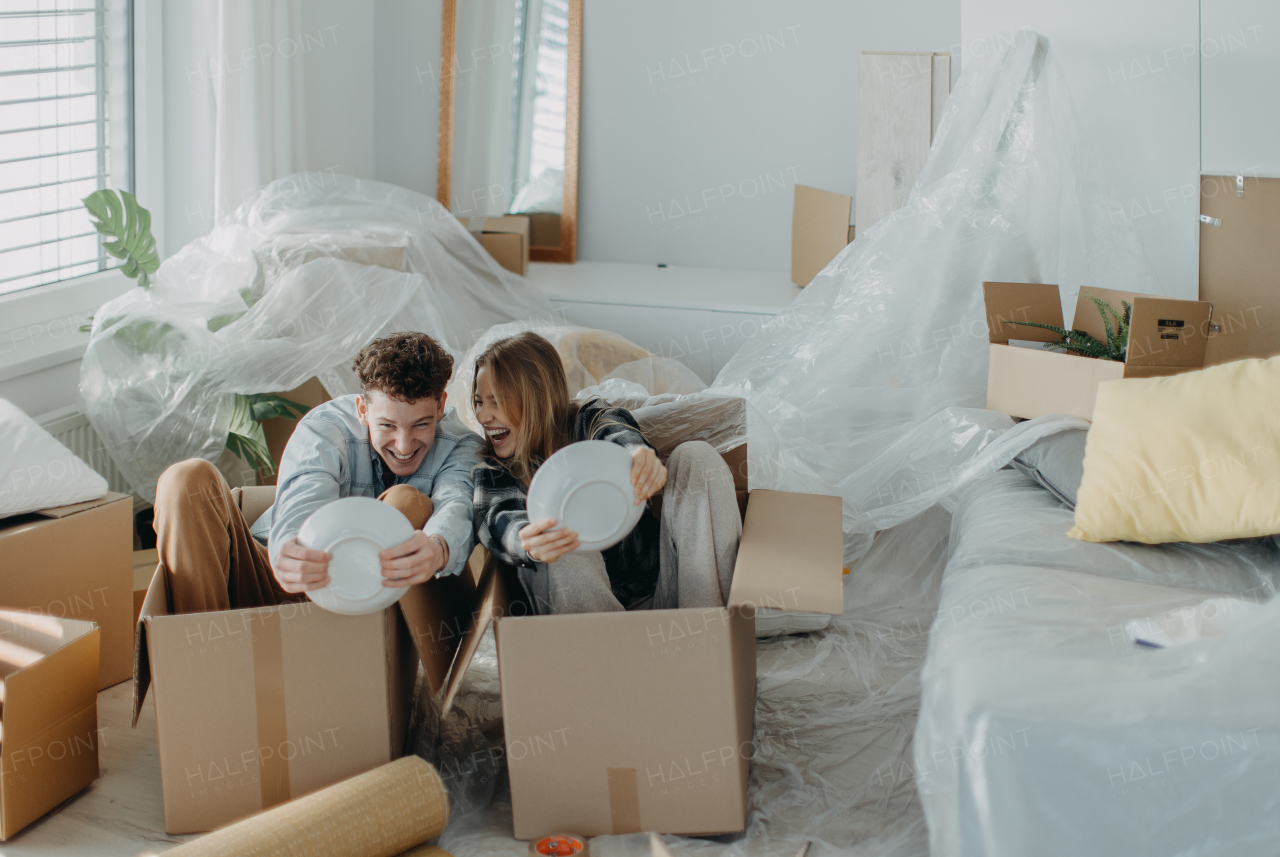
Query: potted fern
[[125, 227], [1083, 344]]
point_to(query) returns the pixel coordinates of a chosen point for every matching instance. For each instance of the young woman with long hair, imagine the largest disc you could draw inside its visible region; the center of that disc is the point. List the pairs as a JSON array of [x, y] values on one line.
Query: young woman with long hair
[[521, 399]]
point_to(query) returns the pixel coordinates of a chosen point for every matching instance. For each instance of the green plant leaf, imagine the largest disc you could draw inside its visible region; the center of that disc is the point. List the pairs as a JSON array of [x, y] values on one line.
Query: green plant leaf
[[220, 321], [120, 218], [266, 406], [251, 450], [1054, 328], [245, 436]]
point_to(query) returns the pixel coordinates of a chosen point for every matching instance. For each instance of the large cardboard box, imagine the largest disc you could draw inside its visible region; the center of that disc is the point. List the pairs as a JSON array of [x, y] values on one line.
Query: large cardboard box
[[76, 562], [622, 722], [255, 707], [1240, 266], [50, 712], [1166, 337]]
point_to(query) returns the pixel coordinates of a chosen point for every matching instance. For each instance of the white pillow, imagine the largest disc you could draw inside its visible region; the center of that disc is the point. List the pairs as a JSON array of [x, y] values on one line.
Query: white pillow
[[37, 472]]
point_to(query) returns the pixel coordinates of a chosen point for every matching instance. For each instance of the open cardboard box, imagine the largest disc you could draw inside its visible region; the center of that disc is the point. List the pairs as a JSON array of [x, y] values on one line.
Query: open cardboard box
[[76, 562], [1166, 337], [258, 706], [49, 707], [507, 240], [622, 722]]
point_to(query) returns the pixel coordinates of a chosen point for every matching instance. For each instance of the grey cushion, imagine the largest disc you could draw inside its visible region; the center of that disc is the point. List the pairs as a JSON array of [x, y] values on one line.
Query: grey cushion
[[1056, 462]]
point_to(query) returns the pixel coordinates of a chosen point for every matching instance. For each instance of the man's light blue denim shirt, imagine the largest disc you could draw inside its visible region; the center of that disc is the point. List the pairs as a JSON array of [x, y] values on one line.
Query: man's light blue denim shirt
[[329, 456]]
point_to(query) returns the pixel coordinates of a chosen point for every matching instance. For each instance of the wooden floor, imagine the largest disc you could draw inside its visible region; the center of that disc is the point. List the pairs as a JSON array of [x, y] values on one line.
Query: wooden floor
[[122, 813]]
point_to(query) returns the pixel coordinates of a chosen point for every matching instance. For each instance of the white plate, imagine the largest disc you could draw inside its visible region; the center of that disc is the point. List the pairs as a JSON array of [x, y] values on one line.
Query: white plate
[[355, 530], [587, 487]]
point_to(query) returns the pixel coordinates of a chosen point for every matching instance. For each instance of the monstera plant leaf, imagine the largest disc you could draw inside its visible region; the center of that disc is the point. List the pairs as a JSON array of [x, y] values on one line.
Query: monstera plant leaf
[[128, 225], [245, 436]]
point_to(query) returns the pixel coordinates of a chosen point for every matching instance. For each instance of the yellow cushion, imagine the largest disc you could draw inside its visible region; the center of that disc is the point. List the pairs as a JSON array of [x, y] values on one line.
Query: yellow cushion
[[1187, 458]]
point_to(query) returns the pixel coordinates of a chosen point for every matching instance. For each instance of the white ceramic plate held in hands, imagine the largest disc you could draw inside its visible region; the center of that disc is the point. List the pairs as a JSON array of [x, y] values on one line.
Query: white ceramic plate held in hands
[[587, 487], [355, 530]]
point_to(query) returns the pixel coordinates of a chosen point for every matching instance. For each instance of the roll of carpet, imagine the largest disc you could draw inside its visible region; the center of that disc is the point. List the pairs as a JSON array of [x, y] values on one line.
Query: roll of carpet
[[380, 813]]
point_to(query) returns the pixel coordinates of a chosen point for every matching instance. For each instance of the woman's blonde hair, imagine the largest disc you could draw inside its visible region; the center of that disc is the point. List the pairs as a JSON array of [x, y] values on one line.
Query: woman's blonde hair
[[529, 383]]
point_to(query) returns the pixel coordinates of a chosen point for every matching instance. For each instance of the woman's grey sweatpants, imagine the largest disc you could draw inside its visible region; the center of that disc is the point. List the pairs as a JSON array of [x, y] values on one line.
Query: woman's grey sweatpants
[[701, 529]]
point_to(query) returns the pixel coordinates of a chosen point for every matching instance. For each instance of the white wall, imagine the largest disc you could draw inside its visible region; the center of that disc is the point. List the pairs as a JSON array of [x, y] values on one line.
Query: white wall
[[1239, 75], [336, 40], [406, 97], [1133, 70], [699, 118]]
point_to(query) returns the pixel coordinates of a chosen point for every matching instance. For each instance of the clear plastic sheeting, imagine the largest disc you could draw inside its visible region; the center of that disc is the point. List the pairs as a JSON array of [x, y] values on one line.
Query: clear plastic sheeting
[[1048, 728], [870, 386], [288, 287], [596, 362], [893, 331]]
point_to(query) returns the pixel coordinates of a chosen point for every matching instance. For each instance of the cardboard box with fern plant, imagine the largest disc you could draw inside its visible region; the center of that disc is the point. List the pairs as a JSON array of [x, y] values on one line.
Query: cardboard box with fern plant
[[1039, 367]]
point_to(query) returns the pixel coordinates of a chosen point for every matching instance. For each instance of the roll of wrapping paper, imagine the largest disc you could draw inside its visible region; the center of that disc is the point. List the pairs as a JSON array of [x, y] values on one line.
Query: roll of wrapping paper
[[380, 813], [560, 845]]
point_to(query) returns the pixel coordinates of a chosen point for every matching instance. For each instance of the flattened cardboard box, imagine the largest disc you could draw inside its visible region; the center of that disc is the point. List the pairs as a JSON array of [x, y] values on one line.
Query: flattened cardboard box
[[50, 750], [257, 706], [1240, 266], [76, 562], [1166, 337], [622, 722], [819, 231]]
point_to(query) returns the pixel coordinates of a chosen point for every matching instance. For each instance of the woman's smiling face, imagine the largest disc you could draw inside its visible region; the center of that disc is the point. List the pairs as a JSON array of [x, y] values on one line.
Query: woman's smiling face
[[498, 427]]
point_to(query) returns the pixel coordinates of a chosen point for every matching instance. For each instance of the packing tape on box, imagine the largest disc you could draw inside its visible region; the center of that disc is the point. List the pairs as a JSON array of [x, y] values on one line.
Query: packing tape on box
[[380, 813], [273, 729], [560, 845]]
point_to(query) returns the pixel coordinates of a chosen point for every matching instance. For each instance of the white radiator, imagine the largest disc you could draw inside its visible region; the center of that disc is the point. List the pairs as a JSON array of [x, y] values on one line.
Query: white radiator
[[73, 430]]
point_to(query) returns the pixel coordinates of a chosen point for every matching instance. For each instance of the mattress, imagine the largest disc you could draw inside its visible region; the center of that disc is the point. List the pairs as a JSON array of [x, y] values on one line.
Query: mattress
[[1051, 724]]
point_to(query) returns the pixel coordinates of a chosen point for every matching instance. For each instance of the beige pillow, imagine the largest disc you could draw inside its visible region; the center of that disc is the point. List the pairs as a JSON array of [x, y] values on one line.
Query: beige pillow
[[1186, 458]]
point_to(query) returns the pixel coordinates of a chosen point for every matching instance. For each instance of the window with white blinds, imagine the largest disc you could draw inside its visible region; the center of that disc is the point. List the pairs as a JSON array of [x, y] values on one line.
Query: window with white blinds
[[65, 129]]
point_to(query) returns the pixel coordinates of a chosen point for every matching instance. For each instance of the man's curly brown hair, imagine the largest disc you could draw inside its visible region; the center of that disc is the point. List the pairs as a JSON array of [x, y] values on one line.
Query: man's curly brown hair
[[405, 366]]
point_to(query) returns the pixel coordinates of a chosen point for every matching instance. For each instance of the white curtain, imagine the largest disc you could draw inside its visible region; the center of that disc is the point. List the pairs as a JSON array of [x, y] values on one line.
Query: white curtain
[[259, 135]]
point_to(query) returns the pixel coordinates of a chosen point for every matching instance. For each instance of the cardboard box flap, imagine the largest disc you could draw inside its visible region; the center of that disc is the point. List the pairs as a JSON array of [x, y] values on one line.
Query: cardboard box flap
[[1168, 333], [155, 604], [494, 601], [791, 554], [437, 613], [26, 637], [74, 508], [819, 230], [31, 704], [1012, 302]]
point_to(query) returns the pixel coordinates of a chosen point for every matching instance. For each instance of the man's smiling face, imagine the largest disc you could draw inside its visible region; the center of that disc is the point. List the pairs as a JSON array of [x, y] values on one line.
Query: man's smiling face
[[401, 432]]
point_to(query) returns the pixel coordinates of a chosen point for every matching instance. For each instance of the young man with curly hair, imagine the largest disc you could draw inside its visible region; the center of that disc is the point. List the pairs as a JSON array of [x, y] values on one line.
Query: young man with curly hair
[[395, 441]]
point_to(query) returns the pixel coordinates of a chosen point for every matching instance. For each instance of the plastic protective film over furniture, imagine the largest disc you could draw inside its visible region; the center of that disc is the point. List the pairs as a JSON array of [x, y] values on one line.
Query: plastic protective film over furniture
[[288, 287], [870, 385]]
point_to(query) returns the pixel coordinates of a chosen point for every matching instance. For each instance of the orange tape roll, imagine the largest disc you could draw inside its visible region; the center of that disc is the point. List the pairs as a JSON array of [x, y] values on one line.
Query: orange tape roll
[[560, 845]]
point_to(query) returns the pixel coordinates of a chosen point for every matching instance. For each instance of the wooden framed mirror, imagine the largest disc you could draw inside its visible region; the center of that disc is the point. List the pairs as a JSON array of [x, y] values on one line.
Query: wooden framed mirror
[[508, 132]]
